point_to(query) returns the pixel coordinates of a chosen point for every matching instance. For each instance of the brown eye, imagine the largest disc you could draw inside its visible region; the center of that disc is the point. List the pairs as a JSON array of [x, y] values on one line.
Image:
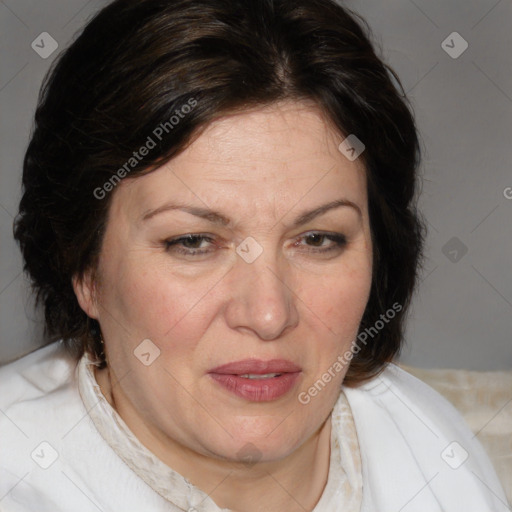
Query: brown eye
[[189, 245], [323, 242], [192, 241], [316, 239]]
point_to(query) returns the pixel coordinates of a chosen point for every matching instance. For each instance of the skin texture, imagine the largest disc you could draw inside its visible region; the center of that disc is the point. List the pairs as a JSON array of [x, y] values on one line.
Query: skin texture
[[261, 169]]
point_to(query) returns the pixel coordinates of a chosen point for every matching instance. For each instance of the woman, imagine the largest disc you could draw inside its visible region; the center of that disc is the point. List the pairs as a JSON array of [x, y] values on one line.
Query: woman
[[219, 219]]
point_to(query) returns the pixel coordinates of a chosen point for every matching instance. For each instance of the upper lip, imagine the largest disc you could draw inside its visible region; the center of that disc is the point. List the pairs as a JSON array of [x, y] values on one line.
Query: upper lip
[[256, 367]]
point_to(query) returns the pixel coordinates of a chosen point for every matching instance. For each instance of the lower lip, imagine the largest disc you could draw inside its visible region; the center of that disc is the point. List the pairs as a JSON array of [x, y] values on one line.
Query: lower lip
[[257, 390]]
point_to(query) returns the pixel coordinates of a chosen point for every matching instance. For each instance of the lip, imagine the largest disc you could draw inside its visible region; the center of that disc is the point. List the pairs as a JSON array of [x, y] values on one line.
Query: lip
[[257, 390], [257, 367]]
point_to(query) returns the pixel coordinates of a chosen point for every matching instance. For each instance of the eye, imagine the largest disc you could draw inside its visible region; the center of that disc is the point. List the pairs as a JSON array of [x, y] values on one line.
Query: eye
[[199, 244], [189, 245], [318, 242]]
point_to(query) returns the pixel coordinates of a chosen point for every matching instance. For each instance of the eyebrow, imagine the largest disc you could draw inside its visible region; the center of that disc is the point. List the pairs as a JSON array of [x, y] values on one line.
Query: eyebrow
[[217, 218]]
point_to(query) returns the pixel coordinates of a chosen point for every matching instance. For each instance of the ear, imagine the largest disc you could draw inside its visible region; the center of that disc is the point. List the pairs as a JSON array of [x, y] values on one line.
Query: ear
[[85, 290]]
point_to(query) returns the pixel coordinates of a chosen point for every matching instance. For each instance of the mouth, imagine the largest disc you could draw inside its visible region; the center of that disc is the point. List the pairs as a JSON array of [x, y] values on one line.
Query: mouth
[[256, 380]]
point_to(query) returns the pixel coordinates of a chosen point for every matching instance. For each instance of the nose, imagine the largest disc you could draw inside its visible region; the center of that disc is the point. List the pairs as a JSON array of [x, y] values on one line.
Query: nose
[[261, 300]]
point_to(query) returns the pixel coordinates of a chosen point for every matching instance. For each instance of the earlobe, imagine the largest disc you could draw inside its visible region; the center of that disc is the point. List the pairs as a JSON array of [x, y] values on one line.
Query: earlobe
[[85, 291]]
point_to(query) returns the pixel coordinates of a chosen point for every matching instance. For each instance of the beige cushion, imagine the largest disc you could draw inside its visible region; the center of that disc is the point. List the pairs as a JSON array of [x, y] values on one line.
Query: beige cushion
[[485, 401]]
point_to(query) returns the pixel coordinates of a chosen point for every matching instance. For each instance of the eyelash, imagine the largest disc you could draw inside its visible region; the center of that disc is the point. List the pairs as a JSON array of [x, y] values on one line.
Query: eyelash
[[339, 240]]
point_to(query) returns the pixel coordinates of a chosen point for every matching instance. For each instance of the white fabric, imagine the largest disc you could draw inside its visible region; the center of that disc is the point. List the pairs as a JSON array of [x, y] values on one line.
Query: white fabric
[[344, 482], [484, 399], [411, 441]]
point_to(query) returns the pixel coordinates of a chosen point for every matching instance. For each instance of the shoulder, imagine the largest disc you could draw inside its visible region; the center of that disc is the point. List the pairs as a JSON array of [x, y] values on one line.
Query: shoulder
[[412, 405], [412, 437], [38, 396], [52, 458], [40, 404], [39, 391], [395, 381], [395, 386], [35, 375]]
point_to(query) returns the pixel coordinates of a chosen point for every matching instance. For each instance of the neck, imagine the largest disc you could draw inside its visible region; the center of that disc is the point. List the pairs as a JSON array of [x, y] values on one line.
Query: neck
[[294, 484]]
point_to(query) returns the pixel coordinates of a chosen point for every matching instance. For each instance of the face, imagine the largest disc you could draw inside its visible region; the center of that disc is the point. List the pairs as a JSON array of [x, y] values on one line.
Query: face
[[246, 262]]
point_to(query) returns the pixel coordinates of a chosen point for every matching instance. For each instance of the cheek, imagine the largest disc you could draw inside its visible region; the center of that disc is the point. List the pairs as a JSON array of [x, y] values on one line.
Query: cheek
[[338, 300], [341, 312], [335, 312], [153, 304]]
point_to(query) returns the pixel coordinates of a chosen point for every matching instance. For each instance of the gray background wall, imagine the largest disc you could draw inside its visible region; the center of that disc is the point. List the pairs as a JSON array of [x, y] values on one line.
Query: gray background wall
[[461, 317]]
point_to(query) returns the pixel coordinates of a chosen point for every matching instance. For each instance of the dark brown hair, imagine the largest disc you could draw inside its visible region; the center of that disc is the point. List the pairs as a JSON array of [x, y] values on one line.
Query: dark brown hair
[[137, 62]]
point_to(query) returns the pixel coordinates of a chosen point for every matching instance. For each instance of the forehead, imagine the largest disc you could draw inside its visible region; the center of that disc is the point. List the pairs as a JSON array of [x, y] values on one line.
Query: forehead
[[287, 132], [280, 152]]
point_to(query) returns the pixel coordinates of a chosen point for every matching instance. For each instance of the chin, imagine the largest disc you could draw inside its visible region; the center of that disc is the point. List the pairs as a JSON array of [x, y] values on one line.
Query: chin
[[265, 443], [249, 451]]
